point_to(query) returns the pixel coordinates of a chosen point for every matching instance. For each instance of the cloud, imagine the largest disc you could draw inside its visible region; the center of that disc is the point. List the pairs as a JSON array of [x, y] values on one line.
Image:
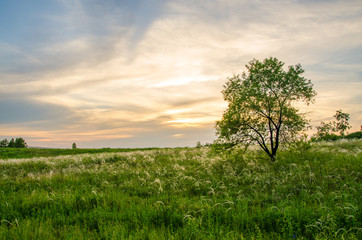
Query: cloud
[[143, 72], [26, 110]]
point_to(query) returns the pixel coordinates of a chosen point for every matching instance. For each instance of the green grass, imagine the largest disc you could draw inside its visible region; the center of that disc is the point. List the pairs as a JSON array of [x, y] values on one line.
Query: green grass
[[311, 192], [10, 153]]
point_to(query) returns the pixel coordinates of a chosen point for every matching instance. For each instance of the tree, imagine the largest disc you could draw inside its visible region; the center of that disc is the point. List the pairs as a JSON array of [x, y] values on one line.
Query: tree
[[342, 123], [260, 106], [11, 143], [20, 143], [17, 143], [74, 146], [327, 131], [4, 143]]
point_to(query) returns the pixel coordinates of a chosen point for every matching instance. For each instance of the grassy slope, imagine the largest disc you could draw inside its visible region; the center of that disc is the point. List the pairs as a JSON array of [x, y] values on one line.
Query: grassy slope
[[309, 193]]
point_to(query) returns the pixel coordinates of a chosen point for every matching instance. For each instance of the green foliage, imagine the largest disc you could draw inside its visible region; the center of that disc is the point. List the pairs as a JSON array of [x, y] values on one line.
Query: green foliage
[[218, 147], [4, 143], [20, 143], [311, 192], [328, 131], [325, 130], [342, 123], [357, 135], [6, 153], [301, 145], [11, 143], [17, 143], [74, 146], [260, 109], [334, 137]]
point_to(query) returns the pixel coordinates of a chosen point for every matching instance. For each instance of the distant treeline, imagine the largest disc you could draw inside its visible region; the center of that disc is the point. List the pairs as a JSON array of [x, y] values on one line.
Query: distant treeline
[[17, 143], [334, 137]]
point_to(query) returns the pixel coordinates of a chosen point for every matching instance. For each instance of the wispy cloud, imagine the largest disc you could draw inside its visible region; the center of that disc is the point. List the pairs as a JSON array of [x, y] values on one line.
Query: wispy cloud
[[141, 73]]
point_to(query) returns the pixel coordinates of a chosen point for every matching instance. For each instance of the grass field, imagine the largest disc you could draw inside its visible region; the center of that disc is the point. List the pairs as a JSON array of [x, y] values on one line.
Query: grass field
[[10, 153], [311, 192]]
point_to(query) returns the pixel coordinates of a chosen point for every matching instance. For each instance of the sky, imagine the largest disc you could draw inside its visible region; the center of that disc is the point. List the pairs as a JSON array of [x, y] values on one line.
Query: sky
[[149, 73]]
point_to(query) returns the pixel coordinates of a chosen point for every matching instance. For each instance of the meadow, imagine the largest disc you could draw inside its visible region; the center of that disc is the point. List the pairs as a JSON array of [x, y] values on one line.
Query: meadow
[[312, 191], [10, 153]]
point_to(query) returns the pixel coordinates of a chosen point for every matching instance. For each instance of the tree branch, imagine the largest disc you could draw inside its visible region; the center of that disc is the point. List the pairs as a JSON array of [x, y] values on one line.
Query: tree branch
[[262, 144]]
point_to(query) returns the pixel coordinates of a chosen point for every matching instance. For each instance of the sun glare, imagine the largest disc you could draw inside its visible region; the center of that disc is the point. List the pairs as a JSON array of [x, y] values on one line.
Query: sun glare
[[189, 122]]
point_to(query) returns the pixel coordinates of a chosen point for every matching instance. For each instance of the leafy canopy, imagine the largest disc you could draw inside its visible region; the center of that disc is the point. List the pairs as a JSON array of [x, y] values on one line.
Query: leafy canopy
[[17, 143], [328, 130], [342, 123], [260, 106]]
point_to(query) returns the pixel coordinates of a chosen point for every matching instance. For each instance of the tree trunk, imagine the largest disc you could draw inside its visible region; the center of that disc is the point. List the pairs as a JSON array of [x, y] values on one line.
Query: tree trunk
[[272, 157]]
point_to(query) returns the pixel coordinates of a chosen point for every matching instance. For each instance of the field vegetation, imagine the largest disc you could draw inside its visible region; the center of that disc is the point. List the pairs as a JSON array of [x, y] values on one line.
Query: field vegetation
[[11, 153], [312, 191]]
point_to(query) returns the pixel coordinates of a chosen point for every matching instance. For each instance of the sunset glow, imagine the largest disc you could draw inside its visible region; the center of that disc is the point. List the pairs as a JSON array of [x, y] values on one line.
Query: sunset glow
[[150, 73]]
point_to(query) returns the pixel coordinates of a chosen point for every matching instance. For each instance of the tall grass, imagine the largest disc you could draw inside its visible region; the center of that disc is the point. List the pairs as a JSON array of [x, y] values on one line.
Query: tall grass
[[311, 192]]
